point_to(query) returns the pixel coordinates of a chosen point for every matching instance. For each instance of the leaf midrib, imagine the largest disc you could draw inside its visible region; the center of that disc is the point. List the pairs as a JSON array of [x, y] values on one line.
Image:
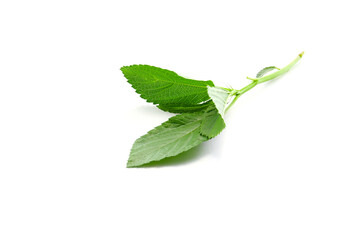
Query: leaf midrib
[[183, 83]]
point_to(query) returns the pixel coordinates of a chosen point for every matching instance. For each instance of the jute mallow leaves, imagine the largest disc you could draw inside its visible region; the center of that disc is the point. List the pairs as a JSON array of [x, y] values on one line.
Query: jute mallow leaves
[[168, 90], [201, 107]]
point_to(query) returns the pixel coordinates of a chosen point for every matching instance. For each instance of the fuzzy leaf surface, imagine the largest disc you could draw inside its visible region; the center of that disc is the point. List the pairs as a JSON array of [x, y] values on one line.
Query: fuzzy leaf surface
[[180, 133], [164, 87]]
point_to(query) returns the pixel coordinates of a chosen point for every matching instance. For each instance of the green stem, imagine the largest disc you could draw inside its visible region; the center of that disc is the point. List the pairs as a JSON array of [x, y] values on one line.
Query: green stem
[[281, 71], [247, 88], [240, 92], [256, 81]]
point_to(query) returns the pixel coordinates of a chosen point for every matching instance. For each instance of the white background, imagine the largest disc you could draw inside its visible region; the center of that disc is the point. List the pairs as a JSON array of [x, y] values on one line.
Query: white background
[[286, 167]]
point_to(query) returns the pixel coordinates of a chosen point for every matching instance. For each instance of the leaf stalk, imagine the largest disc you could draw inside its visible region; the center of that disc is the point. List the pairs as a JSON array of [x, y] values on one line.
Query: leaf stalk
[[256, 81]]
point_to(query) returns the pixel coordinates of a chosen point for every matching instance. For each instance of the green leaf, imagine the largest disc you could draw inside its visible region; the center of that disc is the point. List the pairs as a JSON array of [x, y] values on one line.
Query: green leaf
[[213, 122], [265, 71], [166, 88], [180, 133]]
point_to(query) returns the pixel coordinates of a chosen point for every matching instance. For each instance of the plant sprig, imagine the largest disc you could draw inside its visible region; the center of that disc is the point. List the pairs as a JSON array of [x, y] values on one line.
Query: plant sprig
[[201, 107]]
